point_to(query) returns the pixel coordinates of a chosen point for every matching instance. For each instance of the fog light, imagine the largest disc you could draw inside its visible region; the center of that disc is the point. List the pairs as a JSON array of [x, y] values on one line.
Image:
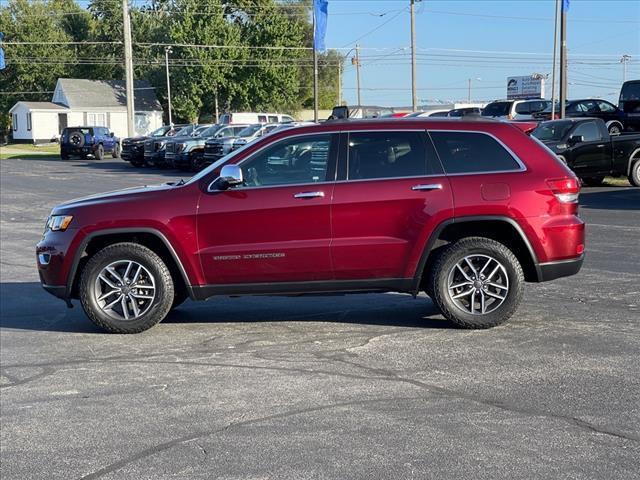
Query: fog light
[[44, 258], [580, 249]]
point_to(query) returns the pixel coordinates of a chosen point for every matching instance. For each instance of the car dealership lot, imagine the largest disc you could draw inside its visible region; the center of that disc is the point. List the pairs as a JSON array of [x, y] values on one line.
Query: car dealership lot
[[361, 386]]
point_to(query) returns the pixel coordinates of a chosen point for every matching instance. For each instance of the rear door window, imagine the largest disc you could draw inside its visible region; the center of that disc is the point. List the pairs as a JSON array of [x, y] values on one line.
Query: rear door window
[[589, 131], [386, 154], [523, 108], [472, 152], [273, 119]]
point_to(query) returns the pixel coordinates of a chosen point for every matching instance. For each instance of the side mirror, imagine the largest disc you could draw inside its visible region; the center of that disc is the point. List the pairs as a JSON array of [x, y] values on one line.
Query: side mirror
[[230, 176], [111, 134], [574, 139]]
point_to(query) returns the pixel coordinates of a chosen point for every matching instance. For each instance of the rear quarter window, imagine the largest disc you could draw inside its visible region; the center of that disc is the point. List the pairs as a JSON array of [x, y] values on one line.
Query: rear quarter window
[[472, 152]]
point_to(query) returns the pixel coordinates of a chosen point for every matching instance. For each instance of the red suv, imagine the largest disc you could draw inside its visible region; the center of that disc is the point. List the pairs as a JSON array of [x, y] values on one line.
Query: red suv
[[465, 210]]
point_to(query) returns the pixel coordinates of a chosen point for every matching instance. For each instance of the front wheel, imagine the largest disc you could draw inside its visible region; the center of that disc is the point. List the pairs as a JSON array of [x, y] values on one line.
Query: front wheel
[[477, 282], [126, 288], [615, 129], [115, 153]]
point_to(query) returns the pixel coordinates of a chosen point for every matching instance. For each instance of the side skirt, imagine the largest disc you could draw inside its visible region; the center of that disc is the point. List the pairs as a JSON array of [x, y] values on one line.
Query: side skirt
[[403, 285]]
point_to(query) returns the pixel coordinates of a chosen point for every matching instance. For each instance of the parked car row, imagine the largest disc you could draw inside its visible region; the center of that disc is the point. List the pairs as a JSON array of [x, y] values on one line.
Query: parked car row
[[193, 147]]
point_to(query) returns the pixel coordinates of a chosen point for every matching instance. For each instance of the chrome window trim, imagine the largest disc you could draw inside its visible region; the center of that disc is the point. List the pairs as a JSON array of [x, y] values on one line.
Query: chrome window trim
[[523, 167]]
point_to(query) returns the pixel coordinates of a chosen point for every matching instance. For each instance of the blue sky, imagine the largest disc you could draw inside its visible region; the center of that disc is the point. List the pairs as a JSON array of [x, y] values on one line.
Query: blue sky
[[489, 40]]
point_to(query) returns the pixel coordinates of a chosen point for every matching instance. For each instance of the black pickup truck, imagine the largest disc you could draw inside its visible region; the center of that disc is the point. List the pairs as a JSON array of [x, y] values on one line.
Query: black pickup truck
[[585, 145]]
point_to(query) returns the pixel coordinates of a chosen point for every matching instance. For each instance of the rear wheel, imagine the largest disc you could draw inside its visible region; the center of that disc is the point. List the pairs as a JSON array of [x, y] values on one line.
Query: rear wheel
[[634, 174], [126, 288], [99, 153], [615, 129], [593, 181], [477, 282]]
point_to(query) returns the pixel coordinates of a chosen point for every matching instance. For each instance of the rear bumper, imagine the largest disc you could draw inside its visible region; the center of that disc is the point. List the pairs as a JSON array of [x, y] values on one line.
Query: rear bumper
[[563, 268]]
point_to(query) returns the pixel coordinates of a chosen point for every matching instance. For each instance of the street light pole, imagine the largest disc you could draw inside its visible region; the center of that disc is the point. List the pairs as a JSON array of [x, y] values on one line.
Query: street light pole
[[414, 95], [168, 50], [553, 68], [563, 57]]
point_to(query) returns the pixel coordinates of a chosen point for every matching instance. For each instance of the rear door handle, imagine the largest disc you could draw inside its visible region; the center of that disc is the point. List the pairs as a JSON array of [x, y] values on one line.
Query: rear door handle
[[600, 146], [427, 187], [309, 195]]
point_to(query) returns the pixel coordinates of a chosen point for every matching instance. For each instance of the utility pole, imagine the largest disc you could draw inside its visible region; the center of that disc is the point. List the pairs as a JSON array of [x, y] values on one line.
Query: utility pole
[[167, 51], [356, 61], [340, 82], [563, 56], [625, 58], [414, 95], [469, 93], [128, 67], [315, 71], [553, 68]]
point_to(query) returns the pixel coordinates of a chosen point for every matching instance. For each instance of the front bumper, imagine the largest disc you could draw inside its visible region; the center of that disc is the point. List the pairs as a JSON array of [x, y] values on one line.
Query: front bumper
[[132, 152], [563, 268], [54, 257], [156, 158]]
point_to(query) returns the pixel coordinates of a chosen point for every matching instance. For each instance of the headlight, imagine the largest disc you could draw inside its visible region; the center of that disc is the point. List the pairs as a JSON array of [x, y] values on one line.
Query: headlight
[[58, 223], [180, 147]]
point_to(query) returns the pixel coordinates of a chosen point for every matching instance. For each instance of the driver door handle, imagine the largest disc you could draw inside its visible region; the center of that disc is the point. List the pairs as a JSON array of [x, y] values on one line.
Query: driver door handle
[[309, 195], [427, 187]]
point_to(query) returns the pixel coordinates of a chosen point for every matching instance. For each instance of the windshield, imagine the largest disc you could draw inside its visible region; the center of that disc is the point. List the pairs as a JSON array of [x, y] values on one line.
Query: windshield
[[185, 131], [552, 131], [497, 109], [209, 131], [199, 130], [250, 130], [160, 132], [630, 91]]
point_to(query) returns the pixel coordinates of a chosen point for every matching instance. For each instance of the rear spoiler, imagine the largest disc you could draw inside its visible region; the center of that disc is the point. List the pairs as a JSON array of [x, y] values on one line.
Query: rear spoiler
[[526, 127]]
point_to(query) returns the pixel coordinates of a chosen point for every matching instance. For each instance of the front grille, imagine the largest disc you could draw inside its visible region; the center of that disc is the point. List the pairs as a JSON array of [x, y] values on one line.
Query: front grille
[[214, 149], [171, 147], [149, 146]]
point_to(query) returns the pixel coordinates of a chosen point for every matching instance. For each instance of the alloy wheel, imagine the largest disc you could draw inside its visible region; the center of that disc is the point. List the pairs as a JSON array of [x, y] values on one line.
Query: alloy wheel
[[125, 290], [478, 284]]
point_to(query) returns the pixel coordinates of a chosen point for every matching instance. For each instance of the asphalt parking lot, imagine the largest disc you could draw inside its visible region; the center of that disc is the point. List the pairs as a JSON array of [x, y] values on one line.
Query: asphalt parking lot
[[361, 386]]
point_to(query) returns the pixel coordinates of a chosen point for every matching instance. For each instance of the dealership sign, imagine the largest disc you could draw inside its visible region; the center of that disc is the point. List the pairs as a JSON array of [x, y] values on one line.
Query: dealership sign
[[525, 87]]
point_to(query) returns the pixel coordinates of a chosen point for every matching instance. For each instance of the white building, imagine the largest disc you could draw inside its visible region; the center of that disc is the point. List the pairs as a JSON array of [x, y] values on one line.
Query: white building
[[78, 102]]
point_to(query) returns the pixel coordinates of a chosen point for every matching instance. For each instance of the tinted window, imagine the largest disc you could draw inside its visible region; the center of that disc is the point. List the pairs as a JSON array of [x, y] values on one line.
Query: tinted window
[[294, 161], [273, 119], [606, 107], [469, 152], [535, 107], [589, 131], [497, 109], [386, 155], [630, 91], [552, 131], [439, 114], [523, 107]]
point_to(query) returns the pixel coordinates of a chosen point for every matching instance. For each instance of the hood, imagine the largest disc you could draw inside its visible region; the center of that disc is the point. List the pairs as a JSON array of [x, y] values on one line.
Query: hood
[[127, 194], [135, 139]]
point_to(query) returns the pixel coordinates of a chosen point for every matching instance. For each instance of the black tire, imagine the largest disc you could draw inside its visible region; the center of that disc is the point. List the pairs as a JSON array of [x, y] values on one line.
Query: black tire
[[634, 174], [64, 156], [446, 262], [99, 152], [115, 153], [137, 163], [164, 290], [593, 181]]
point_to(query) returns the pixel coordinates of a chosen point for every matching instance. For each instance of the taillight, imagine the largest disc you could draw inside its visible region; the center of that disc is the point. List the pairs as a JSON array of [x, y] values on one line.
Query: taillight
[[566, 190]]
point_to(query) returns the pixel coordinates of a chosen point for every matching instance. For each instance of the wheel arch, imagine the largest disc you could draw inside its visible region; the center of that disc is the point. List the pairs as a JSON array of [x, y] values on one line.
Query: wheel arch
[[617, 122], [499, 228], [633, 158], [149, 237]]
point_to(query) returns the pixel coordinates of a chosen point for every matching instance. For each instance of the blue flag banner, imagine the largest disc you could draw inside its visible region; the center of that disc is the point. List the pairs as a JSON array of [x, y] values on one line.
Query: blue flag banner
[[2, 64], [320, 13], [565, 5]]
